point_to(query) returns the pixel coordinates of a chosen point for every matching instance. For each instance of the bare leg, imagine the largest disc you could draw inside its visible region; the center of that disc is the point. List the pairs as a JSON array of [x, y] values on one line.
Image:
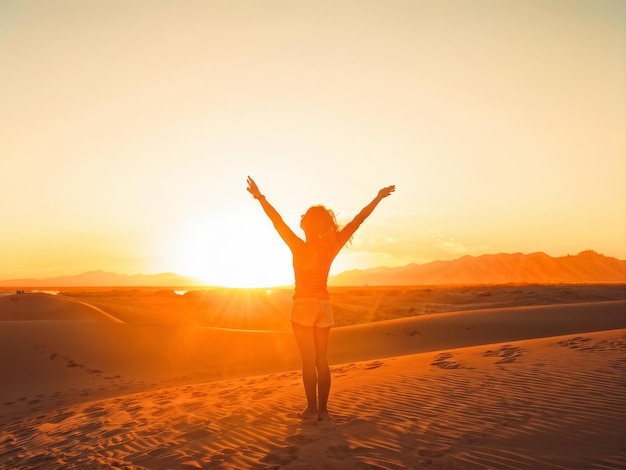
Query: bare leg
[[305, 338], [323, 371]]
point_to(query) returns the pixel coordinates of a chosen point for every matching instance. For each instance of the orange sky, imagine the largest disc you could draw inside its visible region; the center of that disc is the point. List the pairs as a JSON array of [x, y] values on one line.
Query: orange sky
[[127, 131]]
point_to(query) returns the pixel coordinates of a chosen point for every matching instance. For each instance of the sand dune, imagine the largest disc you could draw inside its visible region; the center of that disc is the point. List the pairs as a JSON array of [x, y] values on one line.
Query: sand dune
[[44, 307], [473, 327], [104, 358], [544, 403], [496, 388]]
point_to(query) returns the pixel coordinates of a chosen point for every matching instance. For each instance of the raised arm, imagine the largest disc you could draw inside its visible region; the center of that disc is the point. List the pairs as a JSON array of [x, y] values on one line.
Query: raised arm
[[290, 238], [351, 227]]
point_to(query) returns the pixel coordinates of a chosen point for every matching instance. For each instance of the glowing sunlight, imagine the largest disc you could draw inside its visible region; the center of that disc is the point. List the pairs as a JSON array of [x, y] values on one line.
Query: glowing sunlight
[[231, 251]]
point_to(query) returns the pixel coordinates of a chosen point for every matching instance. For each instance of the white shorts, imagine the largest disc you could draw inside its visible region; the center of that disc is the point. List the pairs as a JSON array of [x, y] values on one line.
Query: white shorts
[[312, 312]]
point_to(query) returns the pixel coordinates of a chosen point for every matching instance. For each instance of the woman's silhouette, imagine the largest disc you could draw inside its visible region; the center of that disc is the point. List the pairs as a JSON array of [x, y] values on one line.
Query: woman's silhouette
[[311, 313]]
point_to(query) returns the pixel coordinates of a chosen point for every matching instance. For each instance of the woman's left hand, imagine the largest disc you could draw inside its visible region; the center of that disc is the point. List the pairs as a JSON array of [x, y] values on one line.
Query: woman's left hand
[[253, 188]]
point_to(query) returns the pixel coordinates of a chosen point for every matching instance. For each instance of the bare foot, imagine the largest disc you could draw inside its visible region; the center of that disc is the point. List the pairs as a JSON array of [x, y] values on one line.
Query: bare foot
[[323, 415], [308, 413]]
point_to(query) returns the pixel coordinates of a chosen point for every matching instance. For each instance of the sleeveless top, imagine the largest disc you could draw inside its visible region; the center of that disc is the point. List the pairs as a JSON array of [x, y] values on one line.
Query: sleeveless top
[[311, 265]]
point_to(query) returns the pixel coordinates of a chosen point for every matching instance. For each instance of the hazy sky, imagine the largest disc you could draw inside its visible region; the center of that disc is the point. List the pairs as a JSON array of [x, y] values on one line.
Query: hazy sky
[[127, 130]]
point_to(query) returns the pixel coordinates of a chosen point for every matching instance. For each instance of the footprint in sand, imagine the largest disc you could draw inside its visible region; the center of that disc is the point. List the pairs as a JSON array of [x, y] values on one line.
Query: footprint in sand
[[587, 344], [373, 365], [506, 353], [443, 362], [71, 363], [612, 345], [579, 342]]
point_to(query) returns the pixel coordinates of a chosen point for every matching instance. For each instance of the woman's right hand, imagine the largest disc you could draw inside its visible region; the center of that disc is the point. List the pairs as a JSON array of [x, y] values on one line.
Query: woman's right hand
[[386, 191]]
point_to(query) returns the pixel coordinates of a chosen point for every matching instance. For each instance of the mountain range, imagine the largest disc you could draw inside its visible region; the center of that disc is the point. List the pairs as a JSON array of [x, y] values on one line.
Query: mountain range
[[102, 278], [585, 267]]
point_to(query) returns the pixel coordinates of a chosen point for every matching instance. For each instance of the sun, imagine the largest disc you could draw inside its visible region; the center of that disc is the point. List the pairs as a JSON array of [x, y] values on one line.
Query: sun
[[231, 250]]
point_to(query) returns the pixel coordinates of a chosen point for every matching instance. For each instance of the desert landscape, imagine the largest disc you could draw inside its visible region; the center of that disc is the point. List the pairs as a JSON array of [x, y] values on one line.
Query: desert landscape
[[476, 377], [451, 172]]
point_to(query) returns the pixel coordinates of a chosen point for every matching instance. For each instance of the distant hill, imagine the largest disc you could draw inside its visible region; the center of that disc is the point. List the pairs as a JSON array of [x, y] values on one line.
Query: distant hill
[[587, 266], [102, 278]]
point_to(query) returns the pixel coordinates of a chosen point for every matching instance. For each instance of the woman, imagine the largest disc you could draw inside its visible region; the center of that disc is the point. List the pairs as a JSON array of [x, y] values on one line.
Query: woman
[[311, 313]]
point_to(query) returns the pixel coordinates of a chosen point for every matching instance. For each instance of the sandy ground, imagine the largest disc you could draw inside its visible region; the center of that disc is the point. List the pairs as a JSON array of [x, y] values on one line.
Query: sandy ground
[[98, 385]]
